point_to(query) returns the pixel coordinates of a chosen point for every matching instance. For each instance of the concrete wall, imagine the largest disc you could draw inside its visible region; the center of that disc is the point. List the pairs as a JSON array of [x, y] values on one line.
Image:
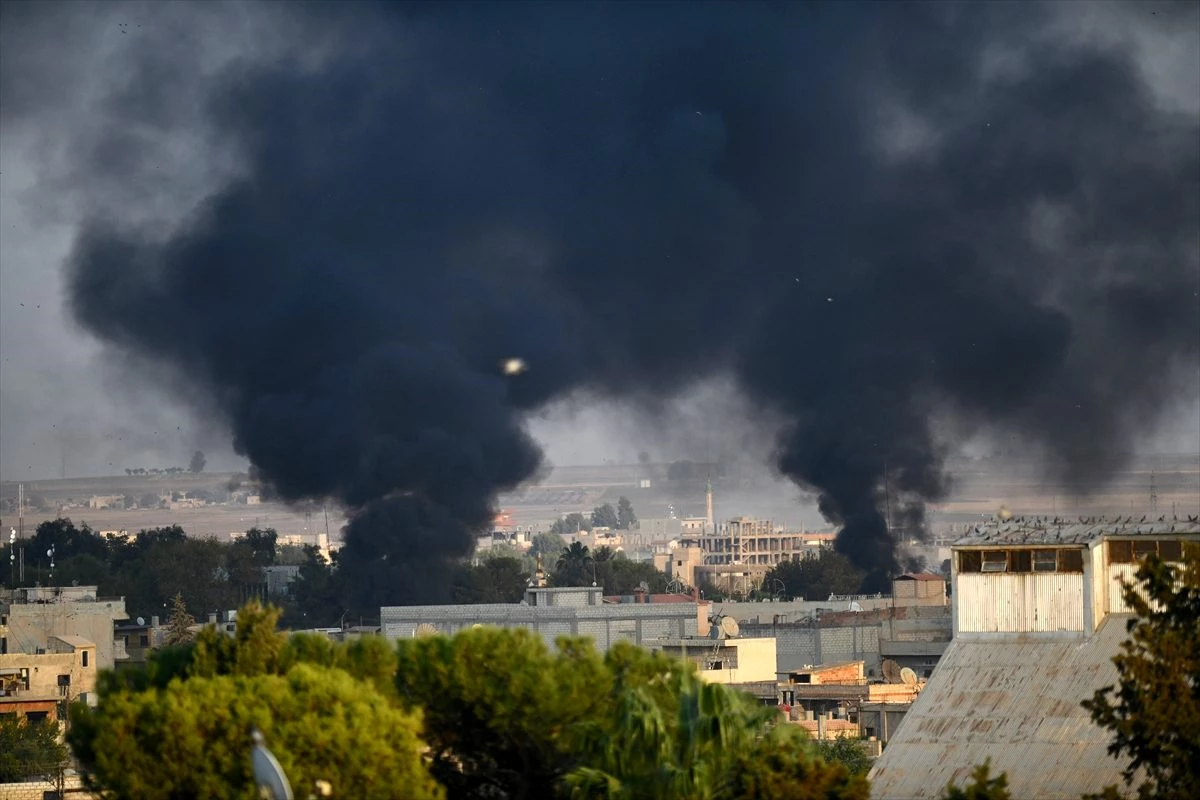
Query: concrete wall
[[1019, 602], [640, 623], [798, 645], [755, 663], [36, 790], [30, 625], [45, 669]]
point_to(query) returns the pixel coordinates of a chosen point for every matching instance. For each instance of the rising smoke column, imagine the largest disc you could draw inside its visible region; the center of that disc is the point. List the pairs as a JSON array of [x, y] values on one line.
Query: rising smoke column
[[632, 196]]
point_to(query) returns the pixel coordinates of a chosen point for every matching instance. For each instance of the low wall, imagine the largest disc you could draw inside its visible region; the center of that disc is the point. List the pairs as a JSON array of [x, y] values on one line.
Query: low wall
[[36, 790]]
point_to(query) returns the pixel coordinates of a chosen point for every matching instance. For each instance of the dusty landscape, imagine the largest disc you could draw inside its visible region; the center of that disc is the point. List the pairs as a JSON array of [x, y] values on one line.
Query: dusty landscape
[[981, 488]]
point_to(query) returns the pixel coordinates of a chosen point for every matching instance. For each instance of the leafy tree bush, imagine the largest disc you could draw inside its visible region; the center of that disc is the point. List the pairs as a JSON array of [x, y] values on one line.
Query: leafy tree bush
[[192, 739], [626, 519], [180, 623], [847, 752], [1154, 710], [705, 742], [500, 707], [981, 787], [817, 578], [29, 750], [180, 727], [605, 516]]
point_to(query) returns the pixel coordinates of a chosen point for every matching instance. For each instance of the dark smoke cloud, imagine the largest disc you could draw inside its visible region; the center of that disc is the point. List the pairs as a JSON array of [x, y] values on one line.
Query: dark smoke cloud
[[631, 196]]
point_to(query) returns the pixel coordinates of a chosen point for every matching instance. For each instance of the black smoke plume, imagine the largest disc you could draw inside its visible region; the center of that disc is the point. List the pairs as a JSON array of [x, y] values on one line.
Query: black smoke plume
[[849, 208]]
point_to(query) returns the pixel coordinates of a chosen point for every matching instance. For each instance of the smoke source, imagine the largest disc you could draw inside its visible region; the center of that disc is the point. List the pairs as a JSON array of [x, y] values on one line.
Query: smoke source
[[865, 214]]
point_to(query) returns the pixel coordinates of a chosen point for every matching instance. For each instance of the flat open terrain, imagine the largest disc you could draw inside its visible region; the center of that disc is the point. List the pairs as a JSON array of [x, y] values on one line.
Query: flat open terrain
[[980, 488]]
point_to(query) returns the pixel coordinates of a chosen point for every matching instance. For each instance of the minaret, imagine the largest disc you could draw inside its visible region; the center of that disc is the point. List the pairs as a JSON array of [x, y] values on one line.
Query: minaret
[[708, 512]]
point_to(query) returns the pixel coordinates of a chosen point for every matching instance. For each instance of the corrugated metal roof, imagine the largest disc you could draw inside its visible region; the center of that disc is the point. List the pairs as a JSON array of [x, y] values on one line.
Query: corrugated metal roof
[[1015, 701], [1059, 530]]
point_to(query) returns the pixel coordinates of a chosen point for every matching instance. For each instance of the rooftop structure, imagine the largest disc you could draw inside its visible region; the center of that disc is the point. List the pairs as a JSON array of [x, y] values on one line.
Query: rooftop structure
[[30, 617], [557, 611], [1038, 616]]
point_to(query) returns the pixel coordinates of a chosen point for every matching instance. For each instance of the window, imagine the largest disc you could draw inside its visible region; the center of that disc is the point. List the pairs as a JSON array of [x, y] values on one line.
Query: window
[[1170, 550], [1144, 548], [995, 560], [36, 716], [144, 640], [969, 561], [1070, 561], [85, 659], [1120, 552], [1045, 561], [1020, 561]]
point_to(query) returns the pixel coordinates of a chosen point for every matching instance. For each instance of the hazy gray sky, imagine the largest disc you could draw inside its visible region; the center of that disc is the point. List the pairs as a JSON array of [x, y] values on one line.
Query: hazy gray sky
[[63, 398]]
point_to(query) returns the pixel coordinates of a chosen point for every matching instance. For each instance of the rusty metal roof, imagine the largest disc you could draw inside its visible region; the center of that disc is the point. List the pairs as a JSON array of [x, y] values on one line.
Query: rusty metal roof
[[1077, 531], [1015, 701]]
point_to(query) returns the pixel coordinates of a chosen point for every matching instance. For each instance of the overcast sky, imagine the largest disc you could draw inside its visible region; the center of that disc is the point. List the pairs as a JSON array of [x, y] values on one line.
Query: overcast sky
[[65, 402]]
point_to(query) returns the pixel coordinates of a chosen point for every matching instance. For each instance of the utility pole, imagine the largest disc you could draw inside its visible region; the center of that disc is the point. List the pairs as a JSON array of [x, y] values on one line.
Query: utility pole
[[1153, 492]]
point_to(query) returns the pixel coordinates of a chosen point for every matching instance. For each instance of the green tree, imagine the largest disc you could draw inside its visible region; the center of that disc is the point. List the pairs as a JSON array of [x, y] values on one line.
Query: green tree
[[620, 575], [816, 578], [574, 566], [500, 708], [192, 738], [29, 750], [981, 787], [546, 545], [180, 622], [605, 516], [500, 579], [571, 523], [1154, 710], [626, 519], [702, 741], [845, 751], [197, 463], [315, 594]]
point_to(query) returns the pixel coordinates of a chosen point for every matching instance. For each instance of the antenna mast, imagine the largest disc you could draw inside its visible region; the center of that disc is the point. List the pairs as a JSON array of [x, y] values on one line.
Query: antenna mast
[[1153, 491]]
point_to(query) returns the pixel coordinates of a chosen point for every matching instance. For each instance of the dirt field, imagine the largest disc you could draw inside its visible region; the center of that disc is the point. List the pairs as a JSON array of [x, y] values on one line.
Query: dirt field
[[980, 489]]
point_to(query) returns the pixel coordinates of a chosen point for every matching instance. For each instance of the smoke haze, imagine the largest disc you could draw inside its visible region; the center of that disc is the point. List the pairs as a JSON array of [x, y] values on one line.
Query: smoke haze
[[864, 218]]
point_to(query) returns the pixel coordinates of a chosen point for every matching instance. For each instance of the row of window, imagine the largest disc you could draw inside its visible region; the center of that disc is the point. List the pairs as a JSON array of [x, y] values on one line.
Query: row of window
[[1049, 560], [1130, 551], [1020, 561]]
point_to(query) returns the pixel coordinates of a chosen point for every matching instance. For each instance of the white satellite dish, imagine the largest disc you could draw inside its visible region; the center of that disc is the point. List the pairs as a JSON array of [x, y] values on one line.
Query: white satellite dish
[[425, 629], [141, 621], [729, 628], [908, 677]]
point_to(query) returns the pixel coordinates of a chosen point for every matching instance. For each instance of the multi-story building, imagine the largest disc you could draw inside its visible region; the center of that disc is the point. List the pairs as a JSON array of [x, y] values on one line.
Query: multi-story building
[[1038, 614], [30, 617], [736, 556]]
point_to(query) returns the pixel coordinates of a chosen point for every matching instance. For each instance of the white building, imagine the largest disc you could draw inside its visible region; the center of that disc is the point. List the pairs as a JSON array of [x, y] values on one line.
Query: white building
[[1038, 615]]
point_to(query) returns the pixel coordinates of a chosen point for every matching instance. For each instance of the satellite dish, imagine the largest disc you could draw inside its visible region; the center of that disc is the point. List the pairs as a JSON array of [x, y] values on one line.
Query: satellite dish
[[854, 606], [644, 587], [425, 629], [908, 677], [891, 671], [729, 627], [141, 621]]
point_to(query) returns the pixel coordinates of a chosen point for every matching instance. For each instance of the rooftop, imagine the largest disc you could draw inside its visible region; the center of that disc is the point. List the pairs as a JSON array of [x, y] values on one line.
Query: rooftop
[[1075, 531], [1017, 703], [73, 641], [921, 576]]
